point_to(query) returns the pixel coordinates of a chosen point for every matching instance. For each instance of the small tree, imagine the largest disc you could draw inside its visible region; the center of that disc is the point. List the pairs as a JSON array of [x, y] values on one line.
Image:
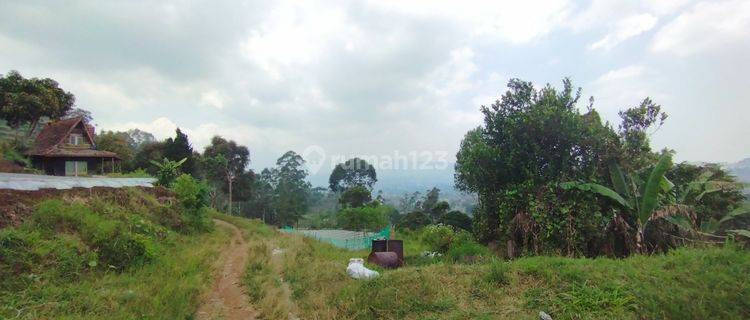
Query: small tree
[[167, 171], [220, 164]]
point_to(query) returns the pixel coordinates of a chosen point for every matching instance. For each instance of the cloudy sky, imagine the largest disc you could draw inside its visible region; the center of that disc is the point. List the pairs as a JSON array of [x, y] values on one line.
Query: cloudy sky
[[378, 77]]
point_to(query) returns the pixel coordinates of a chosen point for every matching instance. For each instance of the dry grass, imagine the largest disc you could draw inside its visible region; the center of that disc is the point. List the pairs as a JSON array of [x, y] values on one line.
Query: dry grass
[[684, 284]]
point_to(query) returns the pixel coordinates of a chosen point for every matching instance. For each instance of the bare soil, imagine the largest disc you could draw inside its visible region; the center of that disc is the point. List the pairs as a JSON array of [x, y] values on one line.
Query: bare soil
[[228, 299], [17, 205]]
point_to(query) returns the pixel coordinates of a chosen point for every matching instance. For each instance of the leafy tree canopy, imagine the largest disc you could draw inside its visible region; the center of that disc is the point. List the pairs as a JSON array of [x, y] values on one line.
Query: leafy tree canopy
[[353, 172], [356, 196], [179, 148], [26, 101]]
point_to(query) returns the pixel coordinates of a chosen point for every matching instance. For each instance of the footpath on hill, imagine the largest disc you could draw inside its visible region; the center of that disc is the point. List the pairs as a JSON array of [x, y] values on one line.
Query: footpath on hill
[[228, 299]]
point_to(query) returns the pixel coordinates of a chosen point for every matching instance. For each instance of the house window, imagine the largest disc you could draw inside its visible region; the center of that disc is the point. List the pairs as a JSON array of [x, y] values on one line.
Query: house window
[[75, 139], [76, 168]]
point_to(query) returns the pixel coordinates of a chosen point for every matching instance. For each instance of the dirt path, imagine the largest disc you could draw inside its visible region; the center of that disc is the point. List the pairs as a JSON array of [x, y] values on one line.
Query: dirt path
[[228, 299]]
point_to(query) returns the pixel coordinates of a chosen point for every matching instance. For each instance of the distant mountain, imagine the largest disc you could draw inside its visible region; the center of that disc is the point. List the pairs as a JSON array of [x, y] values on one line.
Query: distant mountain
[[741, 170]]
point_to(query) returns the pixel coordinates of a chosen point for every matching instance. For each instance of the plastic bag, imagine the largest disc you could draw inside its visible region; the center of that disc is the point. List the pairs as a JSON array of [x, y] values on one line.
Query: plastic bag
[[357, 270]]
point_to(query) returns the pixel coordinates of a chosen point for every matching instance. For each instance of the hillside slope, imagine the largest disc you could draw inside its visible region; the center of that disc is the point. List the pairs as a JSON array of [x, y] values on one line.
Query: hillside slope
[[105, 254]]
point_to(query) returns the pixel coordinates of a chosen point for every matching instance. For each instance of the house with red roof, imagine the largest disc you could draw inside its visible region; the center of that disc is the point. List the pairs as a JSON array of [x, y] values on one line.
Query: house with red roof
[[66, 148]]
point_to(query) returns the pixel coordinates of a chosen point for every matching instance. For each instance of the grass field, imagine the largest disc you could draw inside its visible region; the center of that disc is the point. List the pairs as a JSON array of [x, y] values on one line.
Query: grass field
[[689, 283], [50, 270], [81, 260]]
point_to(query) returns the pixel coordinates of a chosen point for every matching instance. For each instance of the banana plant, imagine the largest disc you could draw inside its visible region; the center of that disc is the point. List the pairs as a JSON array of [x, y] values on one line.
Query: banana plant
[[692, 192], [168, 171], [639, 199]]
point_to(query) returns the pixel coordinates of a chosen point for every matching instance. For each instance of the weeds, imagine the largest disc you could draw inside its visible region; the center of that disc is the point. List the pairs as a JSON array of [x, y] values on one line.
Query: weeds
[[104, 257]]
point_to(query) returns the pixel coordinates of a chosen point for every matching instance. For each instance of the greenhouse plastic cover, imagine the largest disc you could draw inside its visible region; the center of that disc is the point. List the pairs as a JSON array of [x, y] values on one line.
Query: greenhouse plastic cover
[[17, 181]]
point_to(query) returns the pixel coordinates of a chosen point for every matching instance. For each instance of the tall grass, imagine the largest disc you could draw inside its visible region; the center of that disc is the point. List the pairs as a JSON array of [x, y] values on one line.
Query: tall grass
[[688, 283], [97, 258]]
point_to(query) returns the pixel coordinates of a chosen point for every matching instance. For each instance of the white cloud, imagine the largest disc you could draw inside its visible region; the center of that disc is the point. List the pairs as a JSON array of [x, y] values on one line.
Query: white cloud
[[704, 27], [621, 88], [517, 22], [625, 29], [213, 98], [624, 73], [161, 127]]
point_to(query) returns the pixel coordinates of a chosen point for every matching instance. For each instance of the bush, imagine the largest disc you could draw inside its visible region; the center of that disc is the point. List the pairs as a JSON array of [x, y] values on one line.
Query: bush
[[363, 218], [191, 193], [414, 220], [457, 220], [463, 248], [194, 199], [498, 273], [438, 237], [125, 249], [115, 244]]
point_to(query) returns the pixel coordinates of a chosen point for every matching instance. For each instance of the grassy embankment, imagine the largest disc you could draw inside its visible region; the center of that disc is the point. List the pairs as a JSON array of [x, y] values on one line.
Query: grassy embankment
[[125, 257], [689, 283]]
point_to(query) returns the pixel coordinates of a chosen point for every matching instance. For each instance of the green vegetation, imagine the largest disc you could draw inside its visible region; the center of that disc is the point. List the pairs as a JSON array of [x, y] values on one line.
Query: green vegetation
[[671, 286], [120, 257], [167, 171], [363, 218]]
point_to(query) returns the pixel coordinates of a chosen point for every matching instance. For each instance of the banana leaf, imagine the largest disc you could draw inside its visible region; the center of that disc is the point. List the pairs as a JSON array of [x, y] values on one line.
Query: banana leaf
[[650, 197]]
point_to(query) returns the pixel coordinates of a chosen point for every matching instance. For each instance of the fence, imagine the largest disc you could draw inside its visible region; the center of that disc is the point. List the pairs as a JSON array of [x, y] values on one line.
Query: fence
[[352, 240]]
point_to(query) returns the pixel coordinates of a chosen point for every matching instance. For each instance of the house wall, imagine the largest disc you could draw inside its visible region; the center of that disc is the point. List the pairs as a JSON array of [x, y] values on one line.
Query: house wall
[[56, 166]]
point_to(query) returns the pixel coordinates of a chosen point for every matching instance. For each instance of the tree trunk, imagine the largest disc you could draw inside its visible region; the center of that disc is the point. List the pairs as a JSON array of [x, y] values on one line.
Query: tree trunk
[[32, 127], [640, 244], [229, 181]]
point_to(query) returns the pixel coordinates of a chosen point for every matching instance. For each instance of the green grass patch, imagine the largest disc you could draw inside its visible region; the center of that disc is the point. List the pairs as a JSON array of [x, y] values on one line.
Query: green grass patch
[[687, 283], [102, 257]]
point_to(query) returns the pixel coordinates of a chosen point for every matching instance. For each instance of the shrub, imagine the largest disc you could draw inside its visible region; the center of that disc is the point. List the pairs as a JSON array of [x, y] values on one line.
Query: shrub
[[125, 249], [498, 273], [191, 193], [414, 220], [193, 197], [363, 218], [438, 237], [111, 239], [463, 248], [456, 219]]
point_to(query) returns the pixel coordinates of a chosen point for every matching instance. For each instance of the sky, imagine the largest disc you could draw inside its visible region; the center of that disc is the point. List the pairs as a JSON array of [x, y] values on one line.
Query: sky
[[387, 79]]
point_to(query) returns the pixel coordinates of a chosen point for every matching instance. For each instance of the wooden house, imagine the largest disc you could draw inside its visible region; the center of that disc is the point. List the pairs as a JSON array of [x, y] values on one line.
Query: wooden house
[[67, 148]]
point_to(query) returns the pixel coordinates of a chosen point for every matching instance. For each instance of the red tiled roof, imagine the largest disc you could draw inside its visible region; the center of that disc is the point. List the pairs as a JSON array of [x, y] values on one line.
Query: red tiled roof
[[54, 133]]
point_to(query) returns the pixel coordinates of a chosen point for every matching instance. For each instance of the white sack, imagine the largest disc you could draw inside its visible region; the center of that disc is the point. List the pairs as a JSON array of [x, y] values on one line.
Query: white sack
[[357, 270]]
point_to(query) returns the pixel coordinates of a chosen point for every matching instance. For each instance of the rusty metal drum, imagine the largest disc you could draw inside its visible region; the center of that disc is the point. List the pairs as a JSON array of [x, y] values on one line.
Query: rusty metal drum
[[384, 259]]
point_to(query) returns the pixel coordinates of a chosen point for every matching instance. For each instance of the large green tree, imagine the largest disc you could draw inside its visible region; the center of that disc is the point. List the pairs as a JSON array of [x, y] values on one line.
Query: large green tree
[[26, 101], [352, 172], [179, 148], [292, 188], [117, 142], [223, 162], [531, 140]]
